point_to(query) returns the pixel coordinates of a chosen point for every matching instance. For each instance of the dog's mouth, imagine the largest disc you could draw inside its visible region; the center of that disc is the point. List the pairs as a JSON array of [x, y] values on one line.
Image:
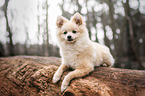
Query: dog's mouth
[[71, 40]]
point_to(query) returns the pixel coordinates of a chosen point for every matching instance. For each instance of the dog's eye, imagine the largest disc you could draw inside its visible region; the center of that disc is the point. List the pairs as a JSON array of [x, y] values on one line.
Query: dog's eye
[[64, 32], [74, 31]]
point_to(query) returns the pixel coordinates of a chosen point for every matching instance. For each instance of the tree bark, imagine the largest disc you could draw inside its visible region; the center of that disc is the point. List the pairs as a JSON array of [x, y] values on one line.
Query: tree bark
[[32, 76]]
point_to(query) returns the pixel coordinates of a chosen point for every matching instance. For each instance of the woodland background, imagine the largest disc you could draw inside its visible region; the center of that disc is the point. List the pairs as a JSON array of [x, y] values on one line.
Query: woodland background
[[119, 24]]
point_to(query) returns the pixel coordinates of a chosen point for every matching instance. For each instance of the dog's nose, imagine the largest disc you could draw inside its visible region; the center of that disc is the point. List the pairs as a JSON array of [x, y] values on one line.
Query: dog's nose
[[69, 37]]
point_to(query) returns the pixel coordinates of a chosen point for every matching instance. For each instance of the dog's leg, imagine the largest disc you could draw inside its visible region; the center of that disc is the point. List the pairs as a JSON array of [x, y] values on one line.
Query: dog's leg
[[58, 73], [76, 73], [109, 60]]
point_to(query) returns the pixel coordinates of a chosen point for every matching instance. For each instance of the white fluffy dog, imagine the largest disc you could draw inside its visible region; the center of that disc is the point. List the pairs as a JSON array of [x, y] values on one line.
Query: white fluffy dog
[[77, 50]]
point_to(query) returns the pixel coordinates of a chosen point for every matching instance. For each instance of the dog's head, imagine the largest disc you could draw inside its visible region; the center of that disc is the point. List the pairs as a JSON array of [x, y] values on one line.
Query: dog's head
[[70, 31]]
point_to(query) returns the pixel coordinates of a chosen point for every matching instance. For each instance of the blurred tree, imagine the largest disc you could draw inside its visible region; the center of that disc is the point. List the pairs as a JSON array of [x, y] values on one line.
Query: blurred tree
[[39, 26], [10, 36], [2, 51], [47, 34], [27, 39], [104, 23], [132, 49]]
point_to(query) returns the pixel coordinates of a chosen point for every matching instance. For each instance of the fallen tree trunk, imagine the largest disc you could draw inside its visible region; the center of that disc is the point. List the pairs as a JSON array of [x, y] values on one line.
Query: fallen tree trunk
[[32, 76]]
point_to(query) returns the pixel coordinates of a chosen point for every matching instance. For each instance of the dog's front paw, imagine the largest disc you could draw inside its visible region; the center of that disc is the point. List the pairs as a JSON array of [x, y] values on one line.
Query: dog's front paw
[[56, 78], [63, 87]]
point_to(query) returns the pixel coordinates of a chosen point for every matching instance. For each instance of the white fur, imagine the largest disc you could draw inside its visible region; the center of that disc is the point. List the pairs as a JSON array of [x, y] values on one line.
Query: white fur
[[80, 54]]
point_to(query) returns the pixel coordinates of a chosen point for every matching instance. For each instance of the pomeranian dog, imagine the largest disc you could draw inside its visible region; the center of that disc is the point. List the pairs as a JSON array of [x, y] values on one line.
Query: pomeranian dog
[[77, 50]]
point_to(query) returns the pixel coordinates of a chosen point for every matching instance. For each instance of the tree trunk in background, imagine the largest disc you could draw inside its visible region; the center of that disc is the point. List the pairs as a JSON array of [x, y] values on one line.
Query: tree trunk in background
[[111, 13], [2, 51], [133, 43], [112, 24], [8, 29], [88, 22], [32, 76], [79, 6], [104, 23], [47, 34], [38, 33], [144, 45], [127, 13], [133, 53], [94, 22], [27, 41]]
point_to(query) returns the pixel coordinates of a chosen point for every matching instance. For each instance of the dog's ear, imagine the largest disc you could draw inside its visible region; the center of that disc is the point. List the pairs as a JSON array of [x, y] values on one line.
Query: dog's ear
[[60, 21], [77, 18]]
